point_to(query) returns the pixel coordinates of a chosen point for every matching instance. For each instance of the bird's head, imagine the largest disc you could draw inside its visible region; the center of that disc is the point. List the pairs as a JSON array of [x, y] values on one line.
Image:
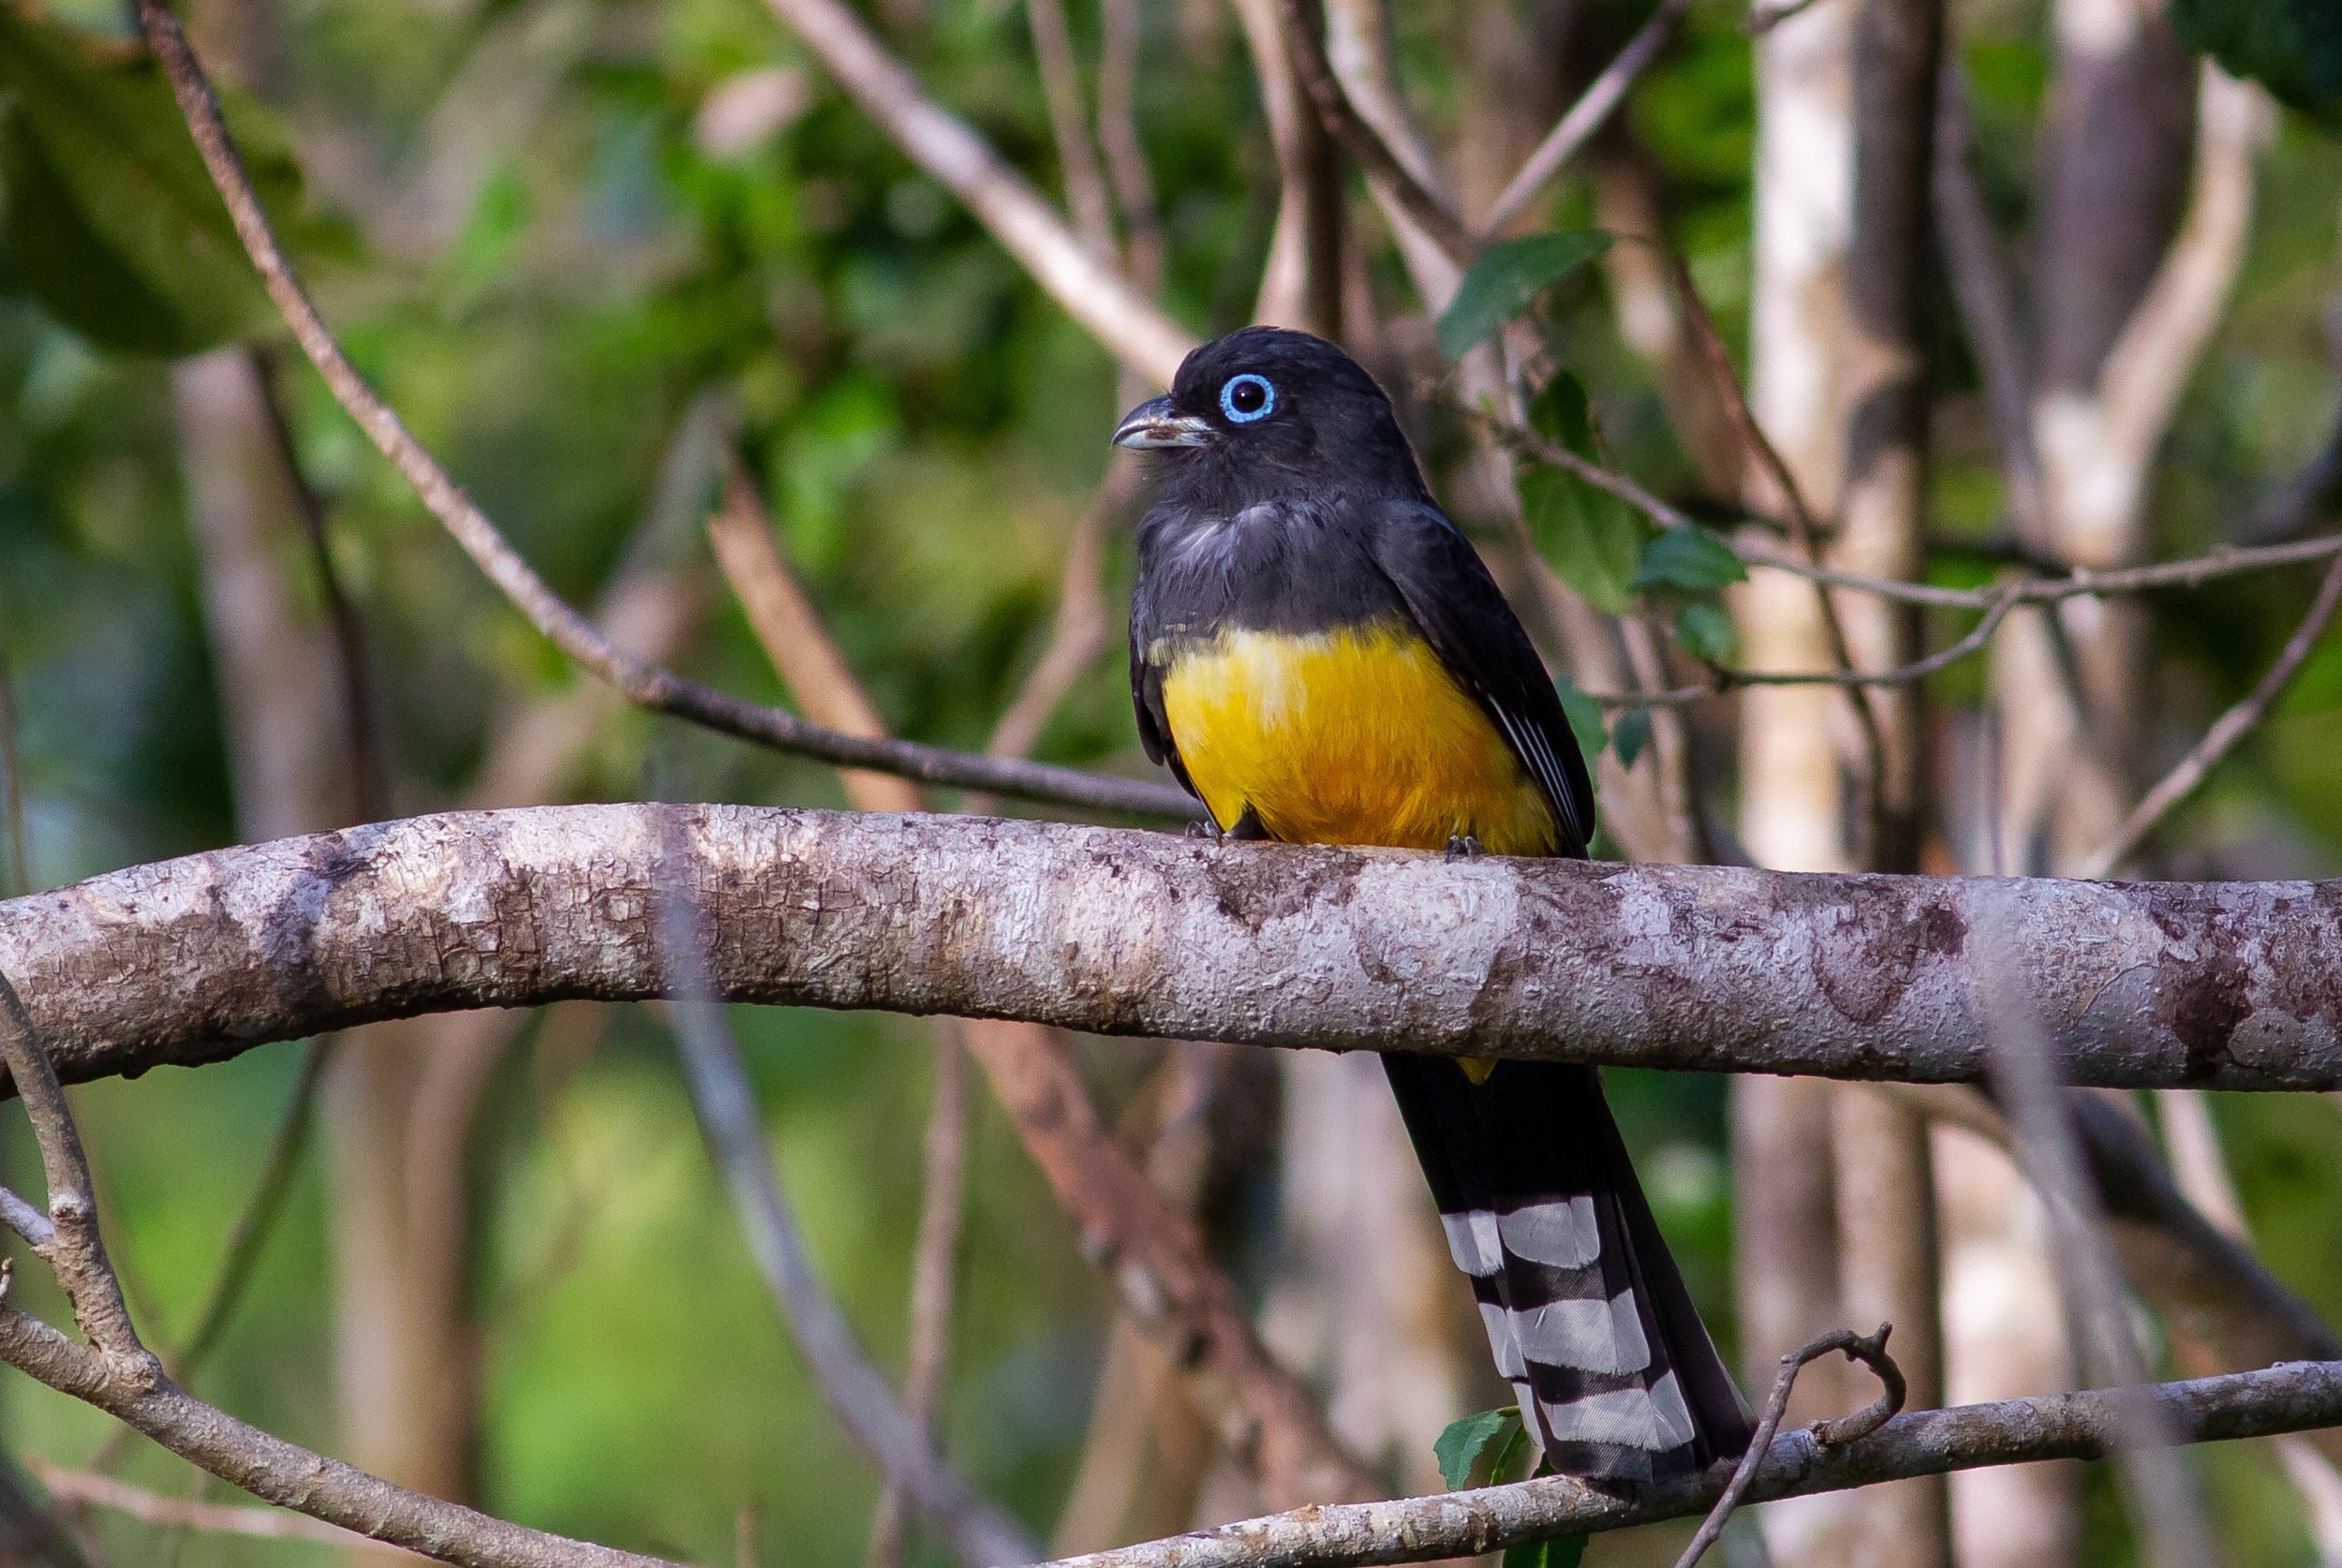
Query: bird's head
[[1263, 404]]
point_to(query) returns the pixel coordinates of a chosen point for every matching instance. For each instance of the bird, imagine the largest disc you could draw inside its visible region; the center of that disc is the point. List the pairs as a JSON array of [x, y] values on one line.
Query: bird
[[1320, 656]]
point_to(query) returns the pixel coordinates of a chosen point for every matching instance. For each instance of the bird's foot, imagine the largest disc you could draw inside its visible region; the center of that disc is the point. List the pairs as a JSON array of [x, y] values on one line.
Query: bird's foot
[[1462, 846], [1205, 829]]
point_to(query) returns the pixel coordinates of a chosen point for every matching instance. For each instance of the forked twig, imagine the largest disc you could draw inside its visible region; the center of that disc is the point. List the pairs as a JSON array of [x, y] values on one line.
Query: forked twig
[[1869, 1349]]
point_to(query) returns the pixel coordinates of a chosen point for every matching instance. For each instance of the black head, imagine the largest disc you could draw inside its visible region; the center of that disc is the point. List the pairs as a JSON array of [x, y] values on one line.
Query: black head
[[1262, 408]]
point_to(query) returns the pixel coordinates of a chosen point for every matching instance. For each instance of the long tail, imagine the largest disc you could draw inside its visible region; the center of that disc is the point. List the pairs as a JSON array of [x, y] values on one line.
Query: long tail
[[1585, 1310]]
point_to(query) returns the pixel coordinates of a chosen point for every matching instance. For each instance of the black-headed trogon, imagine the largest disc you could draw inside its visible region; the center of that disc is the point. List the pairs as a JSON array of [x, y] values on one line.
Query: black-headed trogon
[[1320, 656]]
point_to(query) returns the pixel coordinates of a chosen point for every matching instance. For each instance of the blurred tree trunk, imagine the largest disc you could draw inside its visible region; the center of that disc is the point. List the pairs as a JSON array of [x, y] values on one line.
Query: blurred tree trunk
[[1835, 1185], [1793, 810]]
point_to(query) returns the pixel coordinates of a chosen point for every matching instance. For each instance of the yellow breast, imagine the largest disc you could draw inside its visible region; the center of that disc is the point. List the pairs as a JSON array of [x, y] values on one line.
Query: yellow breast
[[1352, 736]]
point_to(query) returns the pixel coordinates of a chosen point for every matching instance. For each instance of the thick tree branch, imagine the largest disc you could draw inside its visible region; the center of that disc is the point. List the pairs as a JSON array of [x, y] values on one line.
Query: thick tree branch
[[2290, 1399], [644, 682], [2229, 984]]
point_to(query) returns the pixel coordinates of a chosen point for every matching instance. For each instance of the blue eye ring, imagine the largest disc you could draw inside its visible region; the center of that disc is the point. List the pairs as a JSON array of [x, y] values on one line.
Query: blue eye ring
[[1247, 384]]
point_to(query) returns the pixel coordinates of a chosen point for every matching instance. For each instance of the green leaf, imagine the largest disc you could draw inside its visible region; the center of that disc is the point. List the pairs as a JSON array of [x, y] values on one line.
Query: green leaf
[[1704, 632], [2291, 46], [1506, 277], [1592, 542], [1460, 1448], [111, 221], [1629, 735], [1692, 559], [1563, 1553], [1561, 411], [1584, 715]]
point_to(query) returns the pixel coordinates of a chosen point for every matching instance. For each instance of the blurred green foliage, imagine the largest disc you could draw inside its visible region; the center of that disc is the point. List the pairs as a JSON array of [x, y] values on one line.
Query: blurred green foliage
[[550, 259]]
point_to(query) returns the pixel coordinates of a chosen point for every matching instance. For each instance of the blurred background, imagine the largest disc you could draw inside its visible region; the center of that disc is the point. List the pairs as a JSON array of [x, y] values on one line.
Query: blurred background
[[595, 250]]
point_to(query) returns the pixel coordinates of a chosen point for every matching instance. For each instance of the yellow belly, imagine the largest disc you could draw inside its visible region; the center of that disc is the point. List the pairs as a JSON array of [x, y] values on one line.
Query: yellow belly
[[1356, 736]]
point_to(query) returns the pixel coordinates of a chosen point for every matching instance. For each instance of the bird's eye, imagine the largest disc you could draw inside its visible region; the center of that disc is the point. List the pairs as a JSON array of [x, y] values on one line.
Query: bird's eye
[[1248, 397]]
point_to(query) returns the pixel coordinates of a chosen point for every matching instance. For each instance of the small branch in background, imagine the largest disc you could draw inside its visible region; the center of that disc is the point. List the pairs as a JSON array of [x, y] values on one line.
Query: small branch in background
[[1079, 630], [2304, 501], [978, 1534], [1871, 1351], [1130, 326], [2227, 730], [1077, 156], [2193, 571], [88, 1487], [1764, 18], [2078, 1426], [1586, 116], [2026, 1078], [119, 1375], [1133, 186], [646, 684], [1980, 285], [18, 881], [369, 754], [934, 1270], [1427, 208]]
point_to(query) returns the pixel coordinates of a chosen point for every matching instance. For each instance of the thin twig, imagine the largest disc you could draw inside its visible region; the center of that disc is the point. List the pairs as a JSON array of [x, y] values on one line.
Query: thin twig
[[19, 879], [1724, 679], [1077, 156], [2227, 730], [369, 753], [979, 1534], [178, 1513], [1119, 35], [1428, 210], [1577, 127], [2028, 1083], [1980, 286], [1869, 1349], [250, 1235], [934, 1270], [2222, 560], [2296, 1396], [644, 683]]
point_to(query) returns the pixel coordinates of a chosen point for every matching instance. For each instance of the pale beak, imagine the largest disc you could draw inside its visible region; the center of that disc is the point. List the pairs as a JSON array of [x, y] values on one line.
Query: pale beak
[[1157, 422]]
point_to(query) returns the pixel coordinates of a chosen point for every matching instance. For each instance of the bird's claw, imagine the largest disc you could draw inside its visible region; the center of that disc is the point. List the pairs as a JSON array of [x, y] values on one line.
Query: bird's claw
[[1462, 846], [1205, 829]]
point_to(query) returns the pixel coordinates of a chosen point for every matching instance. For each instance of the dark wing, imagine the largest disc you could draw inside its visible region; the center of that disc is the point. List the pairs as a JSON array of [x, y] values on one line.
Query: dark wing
[[1154, 724], [1462, 614]]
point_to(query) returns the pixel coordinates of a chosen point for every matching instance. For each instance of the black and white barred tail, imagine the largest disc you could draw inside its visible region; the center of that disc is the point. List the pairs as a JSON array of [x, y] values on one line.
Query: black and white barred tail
[[1586, 1314]]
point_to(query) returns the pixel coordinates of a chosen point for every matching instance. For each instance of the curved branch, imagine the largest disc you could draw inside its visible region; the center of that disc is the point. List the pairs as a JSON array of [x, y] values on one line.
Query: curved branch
[[2223, 985], [643, 682], [2290, 1399]]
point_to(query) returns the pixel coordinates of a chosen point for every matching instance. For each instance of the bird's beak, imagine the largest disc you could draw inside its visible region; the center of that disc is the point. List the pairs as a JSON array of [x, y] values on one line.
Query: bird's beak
[[1157, 422]]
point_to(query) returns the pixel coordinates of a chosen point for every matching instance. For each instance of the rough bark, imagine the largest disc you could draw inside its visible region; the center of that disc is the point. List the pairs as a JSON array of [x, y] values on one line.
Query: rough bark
[[2220, 985]]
